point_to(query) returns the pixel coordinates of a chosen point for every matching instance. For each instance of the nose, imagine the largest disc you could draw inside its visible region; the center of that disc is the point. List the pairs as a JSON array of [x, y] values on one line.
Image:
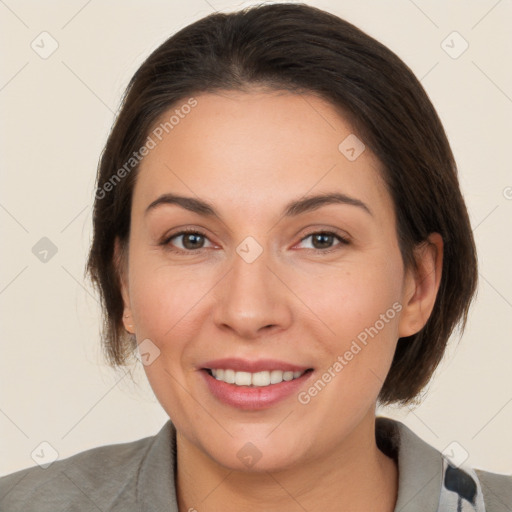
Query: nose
[[252, 299]]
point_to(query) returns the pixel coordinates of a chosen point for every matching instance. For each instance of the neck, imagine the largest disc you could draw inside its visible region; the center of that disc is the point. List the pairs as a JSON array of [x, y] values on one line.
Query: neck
[[356, 475]]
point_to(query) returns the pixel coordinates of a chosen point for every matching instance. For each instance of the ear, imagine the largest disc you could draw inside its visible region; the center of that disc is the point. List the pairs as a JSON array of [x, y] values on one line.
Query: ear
[[421, 286], [121, 267]]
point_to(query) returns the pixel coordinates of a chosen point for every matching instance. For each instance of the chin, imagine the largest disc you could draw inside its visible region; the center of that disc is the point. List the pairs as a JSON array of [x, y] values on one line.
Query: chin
[[254, 454], [254, 461]]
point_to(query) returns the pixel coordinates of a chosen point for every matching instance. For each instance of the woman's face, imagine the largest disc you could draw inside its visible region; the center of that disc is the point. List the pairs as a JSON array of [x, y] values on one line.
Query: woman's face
[[261, 281]]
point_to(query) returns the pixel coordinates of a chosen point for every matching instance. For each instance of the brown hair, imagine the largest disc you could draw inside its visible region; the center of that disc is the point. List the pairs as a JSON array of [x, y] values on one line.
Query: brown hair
[[299, 48]]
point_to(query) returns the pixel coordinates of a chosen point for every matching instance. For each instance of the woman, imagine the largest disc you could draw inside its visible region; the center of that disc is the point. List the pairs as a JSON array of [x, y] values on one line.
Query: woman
[[273, 238]]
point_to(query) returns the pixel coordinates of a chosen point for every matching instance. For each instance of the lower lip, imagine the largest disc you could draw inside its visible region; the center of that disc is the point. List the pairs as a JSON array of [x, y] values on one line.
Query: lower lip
[[253, 397]]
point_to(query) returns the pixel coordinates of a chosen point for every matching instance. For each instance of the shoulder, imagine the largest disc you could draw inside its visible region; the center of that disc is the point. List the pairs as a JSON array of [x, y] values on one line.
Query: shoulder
[[419, 462], [89, 479], [497, 490]]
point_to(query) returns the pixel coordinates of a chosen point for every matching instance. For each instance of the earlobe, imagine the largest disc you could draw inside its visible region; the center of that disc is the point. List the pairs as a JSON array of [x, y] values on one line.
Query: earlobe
[[421, 286], [126, 322], [119, 263]]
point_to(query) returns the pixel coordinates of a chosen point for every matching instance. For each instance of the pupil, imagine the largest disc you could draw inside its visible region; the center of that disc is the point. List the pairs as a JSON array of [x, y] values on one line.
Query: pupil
[[194, 237], [324, 237]]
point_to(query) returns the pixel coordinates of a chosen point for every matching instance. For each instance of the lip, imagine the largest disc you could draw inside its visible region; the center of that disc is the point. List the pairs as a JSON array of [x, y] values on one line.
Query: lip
[[253, 397], [245, 365]]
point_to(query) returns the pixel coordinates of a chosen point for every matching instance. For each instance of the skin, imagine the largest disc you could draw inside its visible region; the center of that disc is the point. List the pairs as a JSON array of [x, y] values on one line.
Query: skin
[[292, 303]]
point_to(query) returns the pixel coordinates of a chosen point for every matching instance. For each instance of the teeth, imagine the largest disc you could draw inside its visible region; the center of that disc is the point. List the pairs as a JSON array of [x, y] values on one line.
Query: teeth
[[258, 379], [229, 376], [243, 378]]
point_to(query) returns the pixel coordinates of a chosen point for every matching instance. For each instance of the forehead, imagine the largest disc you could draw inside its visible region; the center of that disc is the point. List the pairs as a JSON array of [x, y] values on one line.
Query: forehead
[[257, 150]]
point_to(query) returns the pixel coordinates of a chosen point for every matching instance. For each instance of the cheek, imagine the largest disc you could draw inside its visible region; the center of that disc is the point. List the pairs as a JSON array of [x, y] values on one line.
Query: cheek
[[165, 303], [361, 308], [163, 300], [352, 300]]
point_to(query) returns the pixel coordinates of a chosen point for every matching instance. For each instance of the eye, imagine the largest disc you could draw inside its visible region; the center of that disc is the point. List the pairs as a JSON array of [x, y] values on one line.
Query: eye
[[322, 241], [192, 240]]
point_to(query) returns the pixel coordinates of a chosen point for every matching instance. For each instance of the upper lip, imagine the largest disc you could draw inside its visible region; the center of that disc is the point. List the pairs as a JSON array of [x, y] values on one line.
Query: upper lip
[[245, 365]]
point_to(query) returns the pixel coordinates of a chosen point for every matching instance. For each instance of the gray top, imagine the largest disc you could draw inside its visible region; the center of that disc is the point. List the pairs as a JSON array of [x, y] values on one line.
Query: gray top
[[138, 476]]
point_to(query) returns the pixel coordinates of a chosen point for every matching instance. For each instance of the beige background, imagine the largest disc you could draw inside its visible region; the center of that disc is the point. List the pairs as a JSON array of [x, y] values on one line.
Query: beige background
[[56, 113]]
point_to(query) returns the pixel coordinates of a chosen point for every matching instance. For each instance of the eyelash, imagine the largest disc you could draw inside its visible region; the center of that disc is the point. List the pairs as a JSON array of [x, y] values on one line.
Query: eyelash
[[166, 241]]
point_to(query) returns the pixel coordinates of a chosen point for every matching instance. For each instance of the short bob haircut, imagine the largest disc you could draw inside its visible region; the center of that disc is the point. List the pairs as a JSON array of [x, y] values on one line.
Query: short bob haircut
[[301, 49]]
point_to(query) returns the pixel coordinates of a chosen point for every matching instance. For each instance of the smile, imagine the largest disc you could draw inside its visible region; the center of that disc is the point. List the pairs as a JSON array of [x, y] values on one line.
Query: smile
[[256, 379], [254, 390]]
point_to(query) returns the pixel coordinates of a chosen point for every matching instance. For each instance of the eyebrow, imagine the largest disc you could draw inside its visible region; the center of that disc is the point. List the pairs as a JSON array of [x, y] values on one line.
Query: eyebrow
[[292, 209]]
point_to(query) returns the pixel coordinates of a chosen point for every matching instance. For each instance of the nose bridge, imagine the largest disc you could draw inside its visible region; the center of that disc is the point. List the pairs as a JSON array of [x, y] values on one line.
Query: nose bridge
[[251, 297]]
